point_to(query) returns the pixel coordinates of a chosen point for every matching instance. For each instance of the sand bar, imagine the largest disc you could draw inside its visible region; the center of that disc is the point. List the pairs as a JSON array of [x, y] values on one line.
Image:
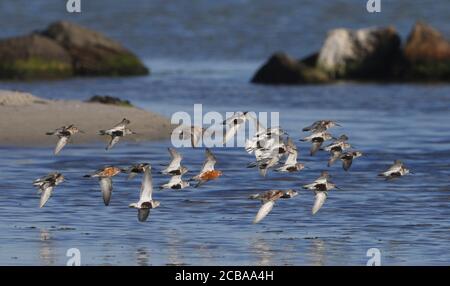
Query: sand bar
[[24, 119]]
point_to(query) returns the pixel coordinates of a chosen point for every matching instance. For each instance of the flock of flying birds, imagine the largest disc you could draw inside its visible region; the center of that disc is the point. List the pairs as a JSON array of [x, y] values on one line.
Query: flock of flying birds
[[272, 148]]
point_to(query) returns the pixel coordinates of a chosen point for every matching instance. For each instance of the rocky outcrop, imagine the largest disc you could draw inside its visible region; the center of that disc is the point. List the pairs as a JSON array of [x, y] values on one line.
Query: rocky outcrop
[[65, 49], [92, 53], [106, 99], [364, 53], [427, 54], [33, 56], [372, 54], [282, 69]]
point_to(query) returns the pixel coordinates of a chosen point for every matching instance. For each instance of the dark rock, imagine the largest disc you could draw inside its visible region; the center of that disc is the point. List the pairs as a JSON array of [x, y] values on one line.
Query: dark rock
[[33, 56], [427, 54], [65, 49], [92, 53], [106, 99], [311, 60], [282, 69], [360, 54], [367, 54]]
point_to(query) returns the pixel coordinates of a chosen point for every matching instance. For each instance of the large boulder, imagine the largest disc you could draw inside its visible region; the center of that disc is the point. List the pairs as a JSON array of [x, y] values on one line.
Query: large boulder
[[33, 56], [92, 53], [283, 69], [65, 49], [427, 54], [360, 54], [367, 54]]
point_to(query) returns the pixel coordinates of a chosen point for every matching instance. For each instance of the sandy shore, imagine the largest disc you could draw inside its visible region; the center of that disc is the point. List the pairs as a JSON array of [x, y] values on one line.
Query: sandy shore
[[25, 118]]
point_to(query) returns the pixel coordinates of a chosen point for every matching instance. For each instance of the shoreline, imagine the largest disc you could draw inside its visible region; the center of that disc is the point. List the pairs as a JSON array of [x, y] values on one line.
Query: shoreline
[[25, 118]]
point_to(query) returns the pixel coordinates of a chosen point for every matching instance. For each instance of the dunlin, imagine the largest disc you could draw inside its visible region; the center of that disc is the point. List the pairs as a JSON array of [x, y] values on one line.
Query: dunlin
[[270, 132], [268, 157], [397, 170], [348, 157], [174, 167], [291, 164], [194, 133], [134, 170], [317, 139], [268, 200], [321, 125], [176, 183], [336, 148], [118, 131], [146, 201], [268, 146], [46, 185], [320, 186], [64, 134], [265, 138], [233, 124]]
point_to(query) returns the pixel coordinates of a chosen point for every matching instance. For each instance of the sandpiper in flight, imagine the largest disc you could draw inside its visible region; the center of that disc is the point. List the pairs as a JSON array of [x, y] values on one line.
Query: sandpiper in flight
[[176, 182], [194, 133], [397, 170], [235, 122], [134, 170], [174, 167], [46, 185], [119, 130], [291, 164], [208, 172], [321, 125], [105, 177], [268, 200], [146, 201], [268, 158], [268, 146], [347, 158], [64, 134], [265, 138], [320, 186], [336, 148], [317, 138]]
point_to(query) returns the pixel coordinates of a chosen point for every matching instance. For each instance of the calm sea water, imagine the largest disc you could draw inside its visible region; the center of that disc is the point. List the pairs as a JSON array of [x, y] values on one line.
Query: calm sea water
[[207, 56]]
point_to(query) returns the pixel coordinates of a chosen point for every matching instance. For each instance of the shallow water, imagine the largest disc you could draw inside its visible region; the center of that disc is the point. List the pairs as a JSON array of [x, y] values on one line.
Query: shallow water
[[407, 219]]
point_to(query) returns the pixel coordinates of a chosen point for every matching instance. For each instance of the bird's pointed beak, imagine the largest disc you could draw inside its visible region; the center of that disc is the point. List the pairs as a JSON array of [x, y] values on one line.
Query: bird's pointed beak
[[81, 131], [337, 124]]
